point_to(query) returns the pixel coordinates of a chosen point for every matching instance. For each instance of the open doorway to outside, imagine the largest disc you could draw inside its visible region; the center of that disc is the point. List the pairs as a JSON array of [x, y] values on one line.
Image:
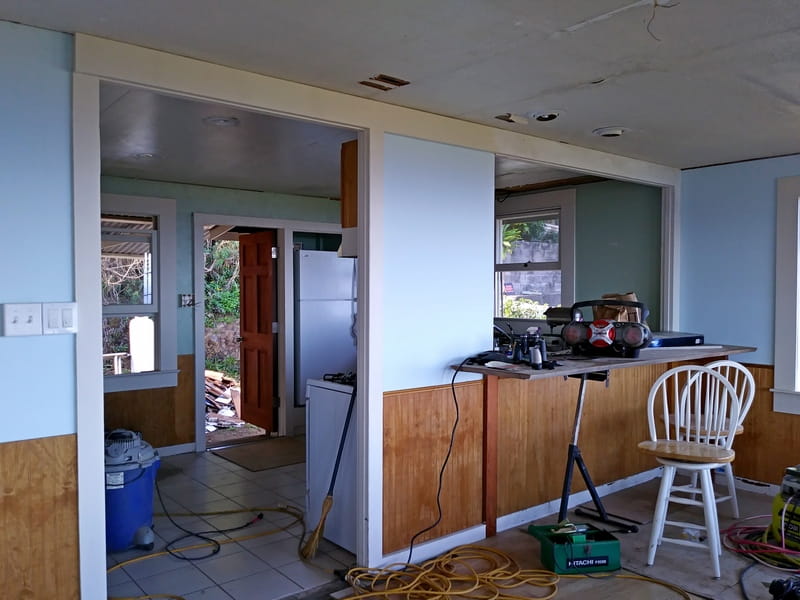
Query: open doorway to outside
[[240, 331], [240, 320]]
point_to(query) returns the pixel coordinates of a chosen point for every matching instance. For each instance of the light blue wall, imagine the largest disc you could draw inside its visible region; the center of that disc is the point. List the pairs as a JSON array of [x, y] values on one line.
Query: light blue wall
[[438, 265], [618, 243], [36, 210], [728, 253], [192, 199]]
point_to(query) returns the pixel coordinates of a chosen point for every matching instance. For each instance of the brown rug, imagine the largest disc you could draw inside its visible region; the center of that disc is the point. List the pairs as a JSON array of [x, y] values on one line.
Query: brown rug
[[266, 454]]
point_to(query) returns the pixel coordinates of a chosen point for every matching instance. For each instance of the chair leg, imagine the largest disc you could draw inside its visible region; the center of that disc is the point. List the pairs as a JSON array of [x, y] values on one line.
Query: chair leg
[[732, 489], [660, 515], [693, 483], [712, 525]]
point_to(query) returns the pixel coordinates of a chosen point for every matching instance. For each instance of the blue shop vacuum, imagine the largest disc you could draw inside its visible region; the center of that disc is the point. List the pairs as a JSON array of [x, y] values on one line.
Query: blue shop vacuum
[[131, 466]]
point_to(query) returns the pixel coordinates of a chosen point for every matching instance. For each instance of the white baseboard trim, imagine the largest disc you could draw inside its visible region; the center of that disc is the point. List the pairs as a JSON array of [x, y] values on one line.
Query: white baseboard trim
[[436, 547], [548, 508], [757, 487], [177, 449]]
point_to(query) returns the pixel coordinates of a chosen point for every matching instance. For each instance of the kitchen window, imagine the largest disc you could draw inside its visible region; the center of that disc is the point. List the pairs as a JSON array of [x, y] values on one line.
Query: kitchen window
[[138, 286], [535, 253]]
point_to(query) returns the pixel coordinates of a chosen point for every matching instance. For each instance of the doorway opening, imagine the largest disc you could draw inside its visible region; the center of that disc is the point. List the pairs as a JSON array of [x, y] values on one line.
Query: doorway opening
[[240, 323]]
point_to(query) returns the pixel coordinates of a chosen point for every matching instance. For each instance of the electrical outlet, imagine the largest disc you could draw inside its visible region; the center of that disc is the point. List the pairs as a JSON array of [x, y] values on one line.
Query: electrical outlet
[[22, 319], [186, 300]]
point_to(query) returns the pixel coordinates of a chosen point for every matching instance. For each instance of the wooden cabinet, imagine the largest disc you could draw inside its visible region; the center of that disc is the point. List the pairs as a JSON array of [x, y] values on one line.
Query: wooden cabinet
[[349, 184]]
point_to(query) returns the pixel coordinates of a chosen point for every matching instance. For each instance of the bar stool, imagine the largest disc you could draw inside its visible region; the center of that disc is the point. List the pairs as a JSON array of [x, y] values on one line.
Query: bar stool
[[743, 382], [692, 406]]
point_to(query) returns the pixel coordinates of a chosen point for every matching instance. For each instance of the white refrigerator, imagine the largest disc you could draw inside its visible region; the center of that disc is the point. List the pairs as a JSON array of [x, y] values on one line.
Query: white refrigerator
[[325, 317]]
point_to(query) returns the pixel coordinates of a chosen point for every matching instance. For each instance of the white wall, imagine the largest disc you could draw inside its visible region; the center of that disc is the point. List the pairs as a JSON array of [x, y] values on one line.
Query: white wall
[[438, 267], [36, 210]]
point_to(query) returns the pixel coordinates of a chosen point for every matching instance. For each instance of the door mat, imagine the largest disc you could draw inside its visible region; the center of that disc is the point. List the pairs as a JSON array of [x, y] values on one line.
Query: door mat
[[266, 454]]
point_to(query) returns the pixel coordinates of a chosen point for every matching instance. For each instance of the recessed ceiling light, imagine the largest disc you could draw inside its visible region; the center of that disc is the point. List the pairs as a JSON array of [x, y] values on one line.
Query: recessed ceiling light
[[220, 121], [613, 131], [145, 155], [544, 116]]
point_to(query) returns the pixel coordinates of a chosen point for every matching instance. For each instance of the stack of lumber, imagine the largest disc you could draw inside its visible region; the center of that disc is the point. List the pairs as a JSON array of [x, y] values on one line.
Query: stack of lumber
[[221, 410]]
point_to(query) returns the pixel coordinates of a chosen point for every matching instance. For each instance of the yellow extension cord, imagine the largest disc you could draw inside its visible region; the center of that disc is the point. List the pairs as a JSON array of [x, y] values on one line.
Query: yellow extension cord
[[469, 571]]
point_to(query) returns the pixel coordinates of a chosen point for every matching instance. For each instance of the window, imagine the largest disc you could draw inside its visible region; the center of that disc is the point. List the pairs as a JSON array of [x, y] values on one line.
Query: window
[[138, 283], [535, 254]]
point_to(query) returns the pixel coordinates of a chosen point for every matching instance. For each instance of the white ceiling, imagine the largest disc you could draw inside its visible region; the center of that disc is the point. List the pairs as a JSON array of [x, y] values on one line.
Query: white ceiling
[[694, 82]]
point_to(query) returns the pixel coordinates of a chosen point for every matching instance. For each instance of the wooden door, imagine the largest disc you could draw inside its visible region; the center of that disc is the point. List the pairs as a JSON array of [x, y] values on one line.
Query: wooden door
[[257, 313]]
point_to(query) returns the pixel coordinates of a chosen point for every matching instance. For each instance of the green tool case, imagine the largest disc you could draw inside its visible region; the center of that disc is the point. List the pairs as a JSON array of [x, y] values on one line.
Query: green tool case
[[585, 550]]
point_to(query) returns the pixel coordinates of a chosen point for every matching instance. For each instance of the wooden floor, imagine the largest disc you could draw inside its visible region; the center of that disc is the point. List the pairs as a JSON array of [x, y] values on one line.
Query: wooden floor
[[688, 568]]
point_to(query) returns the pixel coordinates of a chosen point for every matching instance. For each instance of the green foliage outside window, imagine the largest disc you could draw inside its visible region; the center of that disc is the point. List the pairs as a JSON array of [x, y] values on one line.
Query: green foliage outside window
[[523, 308]]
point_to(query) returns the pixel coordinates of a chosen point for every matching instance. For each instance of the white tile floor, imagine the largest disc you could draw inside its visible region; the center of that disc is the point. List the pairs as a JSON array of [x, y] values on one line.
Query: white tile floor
[[260, 561]]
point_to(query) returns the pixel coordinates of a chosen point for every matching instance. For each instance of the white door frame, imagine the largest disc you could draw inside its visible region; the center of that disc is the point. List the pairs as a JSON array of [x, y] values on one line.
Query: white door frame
[[289, 416]]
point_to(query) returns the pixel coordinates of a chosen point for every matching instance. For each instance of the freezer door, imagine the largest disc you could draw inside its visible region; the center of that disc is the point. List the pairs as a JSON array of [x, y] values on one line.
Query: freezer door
[[321, 275]]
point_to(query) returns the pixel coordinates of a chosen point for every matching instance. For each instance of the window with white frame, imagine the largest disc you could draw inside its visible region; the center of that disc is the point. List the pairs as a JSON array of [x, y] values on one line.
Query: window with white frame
[[138, 286], [535, 253]]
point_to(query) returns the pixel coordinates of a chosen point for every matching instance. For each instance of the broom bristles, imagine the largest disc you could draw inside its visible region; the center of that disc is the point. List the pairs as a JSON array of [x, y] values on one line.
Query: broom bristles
[[310, 547]]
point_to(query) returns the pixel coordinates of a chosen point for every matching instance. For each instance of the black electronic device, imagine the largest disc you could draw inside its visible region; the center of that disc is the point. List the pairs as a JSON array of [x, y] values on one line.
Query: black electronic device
[[606, 337], [666, 339]]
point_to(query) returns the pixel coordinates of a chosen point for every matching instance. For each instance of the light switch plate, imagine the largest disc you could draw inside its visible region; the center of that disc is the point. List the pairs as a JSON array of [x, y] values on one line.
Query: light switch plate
[[59, 317], [22, 319]]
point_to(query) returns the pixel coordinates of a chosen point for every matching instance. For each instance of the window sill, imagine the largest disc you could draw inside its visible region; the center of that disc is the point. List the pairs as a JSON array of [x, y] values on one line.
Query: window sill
[[140, 381], [785, 401]]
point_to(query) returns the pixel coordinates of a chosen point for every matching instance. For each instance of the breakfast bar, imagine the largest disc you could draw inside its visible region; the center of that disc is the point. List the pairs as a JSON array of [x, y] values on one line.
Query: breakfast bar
[[585, 368]]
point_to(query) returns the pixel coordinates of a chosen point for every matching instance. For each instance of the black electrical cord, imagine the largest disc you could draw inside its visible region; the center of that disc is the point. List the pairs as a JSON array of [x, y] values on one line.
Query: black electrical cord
[[444, 463], [741, 579], [203, 535]]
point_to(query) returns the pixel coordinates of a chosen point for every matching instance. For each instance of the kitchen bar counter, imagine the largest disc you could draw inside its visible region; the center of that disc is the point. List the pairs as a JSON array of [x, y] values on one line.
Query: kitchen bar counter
[[576, 366]]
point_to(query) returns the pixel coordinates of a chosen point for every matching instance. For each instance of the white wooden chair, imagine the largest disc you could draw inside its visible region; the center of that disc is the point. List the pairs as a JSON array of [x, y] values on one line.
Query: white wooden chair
[[689, 409], [743, 382]]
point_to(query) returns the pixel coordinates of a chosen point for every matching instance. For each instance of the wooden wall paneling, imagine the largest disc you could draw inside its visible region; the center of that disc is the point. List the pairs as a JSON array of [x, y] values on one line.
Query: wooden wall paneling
[[771, 440], [535, 423], [490, 432], [39, 515], [417, 426], [164, 416]]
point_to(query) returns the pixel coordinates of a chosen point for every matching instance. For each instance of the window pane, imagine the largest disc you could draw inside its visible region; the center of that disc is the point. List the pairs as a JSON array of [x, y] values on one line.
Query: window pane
[[127, 260], [128, 344], [530, 239], [527, 294]]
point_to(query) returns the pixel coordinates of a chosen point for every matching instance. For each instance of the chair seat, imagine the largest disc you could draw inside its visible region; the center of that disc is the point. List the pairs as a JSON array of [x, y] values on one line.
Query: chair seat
[[687, 451]]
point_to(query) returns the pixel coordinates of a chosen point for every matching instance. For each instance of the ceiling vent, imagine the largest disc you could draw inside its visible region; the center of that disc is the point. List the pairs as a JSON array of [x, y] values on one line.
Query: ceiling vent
[[384, 82]]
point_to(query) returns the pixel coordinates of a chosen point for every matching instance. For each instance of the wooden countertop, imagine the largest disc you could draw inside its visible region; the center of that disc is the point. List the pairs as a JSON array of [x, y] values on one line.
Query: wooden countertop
[[572, 365]]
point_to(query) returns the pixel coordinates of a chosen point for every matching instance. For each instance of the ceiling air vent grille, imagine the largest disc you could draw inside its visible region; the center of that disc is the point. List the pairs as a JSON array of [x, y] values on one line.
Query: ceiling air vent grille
[[384, 82]]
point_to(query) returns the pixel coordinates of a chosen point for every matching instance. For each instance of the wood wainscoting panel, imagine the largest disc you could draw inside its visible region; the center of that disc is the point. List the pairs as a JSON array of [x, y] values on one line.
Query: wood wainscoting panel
[[39, 515], [535, 423], [771, 440], [164, 416], [417, 425]]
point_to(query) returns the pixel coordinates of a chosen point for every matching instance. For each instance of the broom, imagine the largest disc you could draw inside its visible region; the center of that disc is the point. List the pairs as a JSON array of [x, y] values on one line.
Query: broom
[[310, 547]]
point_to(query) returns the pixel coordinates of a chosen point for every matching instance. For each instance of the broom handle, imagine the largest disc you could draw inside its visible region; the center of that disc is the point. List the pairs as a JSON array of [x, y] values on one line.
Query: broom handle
[[341, 440]]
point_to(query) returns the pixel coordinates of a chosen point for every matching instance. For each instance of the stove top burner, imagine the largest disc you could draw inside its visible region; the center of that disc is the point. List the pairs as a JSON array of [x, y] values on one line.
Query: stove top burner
[[348, 378]]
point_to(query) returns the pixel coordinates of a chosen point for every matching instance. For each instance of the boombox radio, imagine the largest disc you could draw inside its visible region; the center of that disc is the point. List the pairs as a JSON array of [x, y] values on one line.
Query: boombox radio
[[607, 337]]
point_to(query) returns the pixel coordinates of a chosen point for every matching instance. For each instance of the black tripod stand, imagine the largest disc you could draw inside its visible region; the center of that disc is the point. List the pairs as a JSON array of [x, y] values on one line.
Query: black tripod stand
[[574, 457]]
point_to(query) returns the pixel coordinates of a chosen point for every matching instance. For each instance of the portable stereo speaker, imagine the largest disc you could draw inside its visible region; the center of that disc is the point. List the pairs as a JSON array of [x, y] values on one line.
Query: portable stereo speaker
[[606, 337]]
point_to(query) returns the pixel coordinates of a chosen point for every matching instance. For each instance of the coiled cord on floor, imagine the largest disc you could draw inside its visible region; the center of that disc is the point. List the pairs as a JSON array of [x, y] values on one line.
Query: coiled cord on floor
[[471, 571]]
